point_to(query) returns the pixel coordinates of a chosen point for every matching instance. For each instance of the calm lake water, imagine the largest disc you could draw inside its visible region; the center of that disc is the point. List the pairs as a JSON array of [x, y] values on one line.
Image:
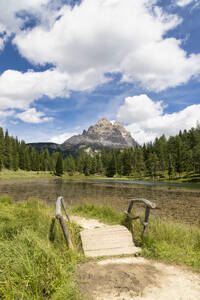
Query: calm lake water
[[179, 202]]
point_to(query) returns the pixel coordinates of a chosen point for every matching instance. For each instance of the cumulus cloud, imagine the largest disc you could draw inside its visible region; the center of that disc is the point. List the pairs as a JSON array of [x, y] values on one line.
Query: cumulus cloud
[[185, 2], [4, 114], [104, 36], [139, 108], [14, 14], [33, 116], [59, 139], [19, 90], [146, 118]]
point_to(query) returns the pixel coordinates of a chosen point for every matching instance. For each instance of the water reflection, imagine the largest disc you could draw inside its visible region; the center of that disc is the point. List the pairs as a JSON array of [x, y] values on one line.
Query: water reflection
[[176, 203]]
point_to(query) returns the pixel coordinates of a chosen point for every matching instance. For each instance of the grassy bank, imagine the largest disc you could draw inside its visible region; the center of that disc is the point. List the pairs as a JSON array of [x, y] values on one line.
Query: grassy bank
[[166, 240], [183, 178], [32, 267], [10, 174]]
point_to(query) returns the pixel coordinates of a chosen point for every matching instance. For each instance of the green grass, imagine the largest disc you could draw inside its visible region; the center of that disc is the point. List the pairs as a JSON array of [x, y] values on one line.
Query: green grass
[[162, 176], [102, 213], [173, 242], [9, 174], [166, 240], [32, 267]]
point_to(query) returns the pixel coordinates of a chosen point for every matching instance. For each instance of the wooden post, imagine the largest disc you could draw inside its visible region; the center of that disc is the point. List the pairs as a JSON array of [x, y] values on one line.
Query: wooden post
[[130, 207], [147, 213], [51, 231], [149, 205], [59, 216], [65, 232], [65, 209]]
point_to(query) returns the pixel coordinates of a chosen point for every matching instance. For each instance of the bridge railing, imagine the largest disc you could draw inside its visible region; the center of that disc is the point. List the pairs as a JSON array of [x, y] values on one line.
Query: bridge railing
[[148, 206], [60, 203]]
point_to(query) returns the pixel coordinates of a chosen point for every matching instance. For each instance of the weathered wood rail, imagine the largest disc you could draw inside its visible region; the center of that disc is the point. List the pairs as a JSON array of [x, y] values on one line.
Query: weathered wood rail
[[59, 204], [148, 206], [109, 240]]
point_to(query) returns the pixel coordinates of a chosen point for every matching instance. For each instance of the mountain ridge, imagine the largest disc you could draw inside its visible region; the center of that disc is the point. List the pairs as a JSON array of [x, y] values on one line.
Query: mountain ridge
[[101, 134]]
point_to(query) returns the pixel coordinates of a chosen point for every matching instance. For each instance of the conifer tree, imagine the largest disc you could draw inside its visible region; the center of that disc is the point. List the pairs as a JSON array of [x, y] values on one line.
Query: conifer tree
[[15, 155], [111, 165], [87, 165], [99, 165], [93, 165], [126, 161], [2, 146], [1, 164], [22, 148], [70, 165], [59, 165]]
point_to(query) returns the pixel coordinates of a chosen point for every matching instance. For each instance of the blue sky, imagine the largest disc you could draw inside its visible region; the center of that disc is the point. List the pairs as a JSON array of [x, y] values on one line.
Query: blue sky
[[65, 64]]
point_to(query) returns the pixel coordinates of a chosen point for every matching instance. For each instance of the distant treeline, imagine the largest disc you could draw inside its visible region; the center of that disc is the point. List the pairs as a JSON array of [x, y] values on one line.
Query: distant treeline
[[16, 155], [177, 154]]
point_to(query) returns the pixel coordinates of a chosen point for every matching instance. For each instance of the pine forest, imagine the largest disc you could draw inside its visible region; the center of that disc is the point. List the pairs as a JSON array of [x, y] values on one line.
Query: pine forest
[[173, 156]]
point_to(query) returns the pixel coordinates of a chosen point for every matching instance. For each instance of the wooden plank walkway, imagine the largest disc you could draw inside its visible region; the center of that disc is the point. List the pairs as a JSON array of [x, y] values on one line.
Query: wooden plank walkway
[[107, 241]]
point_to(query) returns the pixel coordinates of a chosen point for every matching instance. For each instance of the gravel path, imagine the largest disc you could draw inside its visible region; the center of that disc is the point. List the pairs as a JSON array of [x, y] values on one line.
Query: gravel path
[[134, 277]]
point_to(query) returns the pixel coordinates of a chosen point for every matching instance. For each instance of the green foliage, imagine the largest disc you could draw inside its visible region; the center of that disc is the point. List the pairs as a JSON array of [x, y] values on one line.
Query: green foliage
[[173, 242], [1, 163], [69, 165], [111, 165], [32, 267], [59, 165], [174, 157], [102, 213]]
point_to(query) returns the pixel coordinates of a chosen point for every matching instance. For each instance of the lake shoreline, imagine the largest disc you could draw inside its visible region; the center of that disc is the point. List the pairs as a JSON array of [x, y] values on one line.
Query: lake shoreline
[[175, 203], [9, 174]]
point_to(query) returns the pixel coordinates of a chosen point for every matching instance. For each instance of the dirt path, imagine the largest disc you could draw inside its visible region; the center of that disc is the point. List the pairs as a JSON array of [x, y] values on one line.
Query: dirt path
[[134, 277]]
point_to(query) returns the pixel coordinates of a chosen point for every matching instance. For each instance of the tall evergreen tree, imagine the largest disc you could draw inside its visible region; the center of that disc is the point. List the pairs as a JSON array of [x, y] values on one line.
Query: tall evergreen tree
[[59, 165], [2, 146], [111, 165], [8, 150]]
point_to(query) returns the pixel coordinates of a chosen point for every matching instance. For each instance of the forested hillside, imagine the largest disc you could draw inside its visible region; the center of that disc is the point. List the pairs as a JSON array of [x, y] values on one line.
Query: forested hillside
[[16, 155], [175, 155], [171, 156]]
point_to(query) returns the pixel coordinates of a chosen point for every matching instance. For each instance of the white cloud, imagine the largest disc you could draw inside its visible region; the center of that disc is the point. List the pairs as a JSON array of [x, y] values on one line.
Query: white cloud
[[139, 108], [146, 119], [59, 139], [11, 10], [103, 36], [19, 90], [185, 2], [33, 116], [10, 20], [6, 113]]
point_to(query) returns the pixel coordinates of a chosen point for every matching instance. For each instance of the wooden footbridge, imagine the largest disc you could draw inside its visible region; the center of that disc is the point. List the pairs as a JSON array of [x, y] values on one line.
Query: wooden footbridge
[[108, 240]]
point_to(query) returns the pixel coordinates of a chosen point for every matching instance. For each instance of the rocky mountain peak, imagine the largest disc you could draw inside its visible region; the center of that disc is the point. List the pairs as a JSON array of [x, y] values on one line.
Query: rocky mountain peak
[[103, 122], [104, 133]]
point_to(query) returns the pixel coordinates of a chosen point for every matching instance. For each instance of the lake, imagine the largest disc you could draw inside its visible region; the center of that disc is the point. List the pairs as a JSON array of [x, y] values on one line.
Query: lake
[[179, 202]]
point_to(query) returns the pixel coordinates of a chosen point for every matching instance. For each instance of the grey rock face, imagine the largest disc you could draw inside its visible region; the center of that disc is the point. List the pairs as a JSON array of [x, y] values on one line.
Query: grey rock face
[[103, 133]]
